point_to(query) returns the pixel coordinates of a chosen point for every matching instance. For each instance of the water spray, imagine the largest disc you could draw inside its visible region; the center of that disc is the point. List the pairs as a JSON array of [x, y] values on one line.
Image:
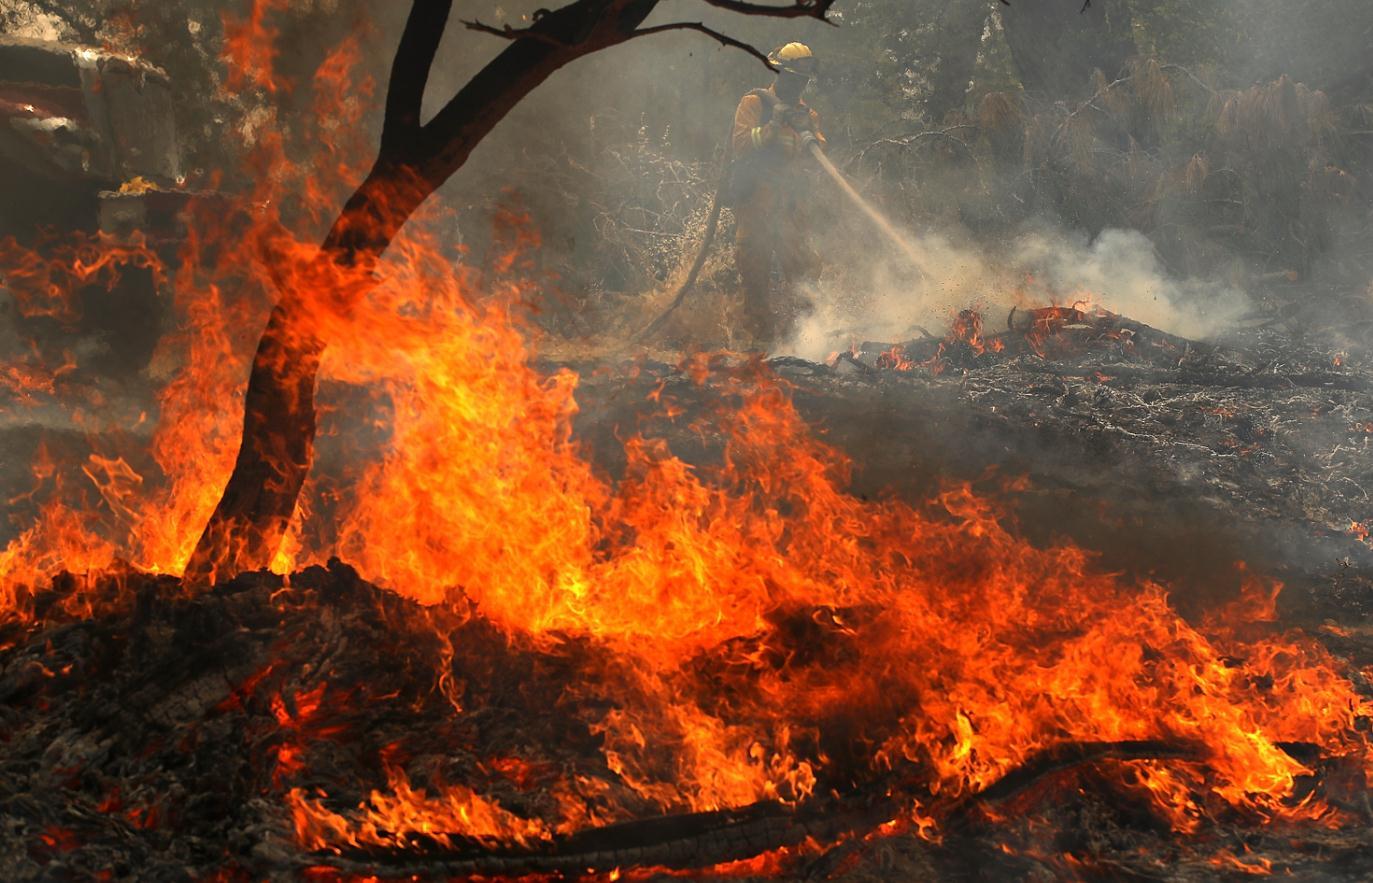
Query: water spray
[[812, 146], [889, 230]]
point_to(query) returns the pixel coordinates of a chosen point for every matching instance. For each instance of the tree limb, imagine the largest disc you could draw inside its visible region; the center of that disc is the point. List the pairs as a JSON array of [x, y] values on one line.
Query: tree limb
[[1191, 76], [554, 39], [506, 32], [722, 39], [410, 71], [908, 140], [799, 9]]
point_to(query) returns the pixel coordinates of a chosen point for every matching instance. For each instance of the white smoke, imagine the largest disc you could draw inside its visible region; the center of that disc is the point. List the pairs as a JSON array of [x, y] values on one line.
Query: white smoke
[[1120, 272], [887, 300]]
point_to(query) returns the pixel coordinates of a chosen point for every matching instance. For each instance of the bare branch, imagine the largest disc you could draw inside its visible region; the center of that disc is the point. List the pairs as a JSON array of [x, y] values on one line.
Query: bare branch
[[908, 140], [410, 71], [722, 39], [1090, 102], [798, 9], [506, 32], [1191, 76]]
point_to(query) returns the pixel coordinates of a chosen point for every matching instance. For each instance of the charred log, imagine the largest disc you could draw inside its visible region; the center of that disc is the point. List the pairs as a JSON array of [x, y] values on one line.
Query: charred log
[[701, 840]]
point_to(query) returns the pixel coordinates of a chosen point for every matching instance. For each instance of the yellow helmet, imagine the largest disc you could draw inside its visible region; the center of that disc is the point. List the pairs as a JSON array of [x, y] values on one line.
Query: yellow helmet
[[794, 58]]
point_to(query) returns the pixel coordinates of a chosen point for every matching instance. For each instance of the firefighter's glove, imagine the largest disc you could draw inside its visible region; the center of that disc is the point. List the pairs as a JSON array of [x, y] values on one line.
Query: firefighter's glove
[[783, 136], [797, 118]]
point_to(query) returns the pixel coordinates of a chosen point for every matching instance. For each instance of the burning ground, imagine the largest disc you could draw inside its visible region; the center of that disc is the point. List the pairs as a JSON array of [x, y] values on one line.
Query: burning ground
[[773, 667]]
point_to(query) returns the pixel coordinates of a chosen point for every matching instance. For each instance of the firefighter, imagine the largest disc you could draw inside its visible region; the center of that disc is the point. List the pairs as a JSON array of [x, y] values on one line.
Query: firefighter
[[772, 190]]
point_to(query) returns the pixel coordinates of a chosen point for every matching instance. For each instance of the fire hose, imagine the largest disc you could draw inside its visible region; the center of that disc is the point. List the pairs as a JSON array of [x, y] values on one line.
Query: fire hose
[[712, 224], [812, 147]]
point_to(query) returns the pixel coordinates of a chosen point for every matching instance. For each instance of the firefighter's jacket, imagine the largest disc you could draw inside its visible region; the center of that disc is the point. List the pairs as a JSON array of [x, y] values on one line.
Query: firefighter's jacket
[[779, 179], [772, 215]]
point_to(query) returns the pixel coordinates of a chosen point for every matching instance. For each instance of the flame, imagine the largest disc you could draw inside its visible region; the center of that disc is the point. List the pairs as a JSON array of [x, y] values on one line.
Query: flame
[[895, 359], [1226, 860], [964, 337], [250, 49], [858, 634], [227, 272], [1000, 648], [394, 817]]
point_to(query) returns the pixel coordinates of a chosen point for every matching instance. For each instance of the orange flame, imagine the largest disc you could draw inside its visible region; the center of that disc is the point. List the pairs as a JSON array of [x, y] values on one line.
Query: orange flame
[[392, 819]]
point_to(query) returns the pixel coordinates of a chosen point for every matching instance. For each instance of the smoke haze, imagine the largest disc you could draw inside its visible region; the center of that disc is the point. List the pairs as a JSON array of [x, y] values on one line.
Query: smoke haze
[[1138, 199], [1118, 271]]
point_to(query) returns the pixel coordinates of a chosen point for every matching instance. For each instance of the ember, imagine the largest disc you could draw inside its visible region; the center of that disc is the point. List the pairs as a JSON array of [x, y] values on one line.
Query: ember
[[537, 618]]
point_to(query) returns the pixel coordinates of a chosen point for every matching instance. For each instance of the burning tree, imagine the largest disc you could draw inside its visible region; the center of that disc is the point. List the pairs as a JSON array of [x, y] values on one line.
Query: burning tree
[[415, 159]]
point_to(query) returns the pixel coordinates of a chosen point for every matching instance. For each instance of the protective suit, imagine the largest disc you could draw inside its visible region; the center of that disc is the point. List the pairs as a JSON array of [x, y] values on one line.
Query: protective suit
[[774, 191]]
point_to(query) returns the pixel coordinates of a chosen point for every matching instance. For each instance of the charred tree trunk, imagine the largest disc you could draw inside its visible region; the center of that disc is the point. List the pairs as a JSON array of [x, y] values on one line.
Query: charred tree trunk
[[1057, 44], [279, 414], [960, 38], [279, 411], [275, 454]]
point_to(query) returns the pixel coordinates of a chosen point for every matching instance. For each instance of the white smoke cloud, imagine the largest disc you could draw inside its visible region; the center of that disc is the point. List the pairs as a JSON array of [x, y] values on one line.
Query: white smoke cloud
[[888, 300], [1120, 272]]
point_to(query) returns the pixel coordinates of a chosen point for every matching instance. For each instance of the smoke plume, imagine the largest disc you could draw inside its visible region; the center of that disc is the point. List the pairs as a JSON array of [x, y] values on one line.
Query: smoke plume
[[890, 300]]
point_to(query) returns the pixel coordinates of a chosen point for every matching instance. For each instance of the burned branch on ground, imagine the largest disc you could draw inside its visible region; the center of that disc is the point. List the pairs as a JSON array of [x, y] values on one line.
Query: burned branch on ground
[[164, 735]]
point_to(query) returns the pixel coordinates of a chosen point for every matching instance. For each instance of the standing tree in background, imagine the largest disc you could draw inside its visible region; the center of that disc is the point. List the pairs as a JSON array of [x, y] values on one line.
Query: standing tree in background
[[1058, 44], [957, 43]]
